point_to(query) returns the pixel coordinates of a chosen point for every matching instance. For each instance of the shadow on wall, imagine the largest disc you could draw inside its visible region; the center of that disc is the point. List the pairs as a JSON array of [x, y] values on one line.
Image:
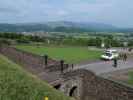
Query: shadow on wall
[[57, 86], [73, 91]]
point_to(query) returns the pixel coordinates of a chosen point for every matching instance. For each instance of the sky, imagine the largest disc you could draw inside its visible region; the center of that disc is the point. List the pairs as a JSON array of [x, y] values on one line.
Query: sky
[[115, 12]]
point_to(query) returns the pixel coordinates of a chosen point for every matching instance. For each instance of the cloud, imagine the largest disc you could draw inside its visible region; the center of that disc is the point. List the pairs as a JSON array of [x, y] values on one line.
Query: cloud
[[8, 10], [116, 12]]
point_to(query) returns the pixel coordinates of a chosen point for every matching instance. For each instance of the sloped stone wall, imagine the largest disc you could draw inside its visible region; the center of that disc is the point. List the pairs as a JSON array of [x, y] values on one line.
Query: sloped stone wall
[[104, 89], [92, 87]]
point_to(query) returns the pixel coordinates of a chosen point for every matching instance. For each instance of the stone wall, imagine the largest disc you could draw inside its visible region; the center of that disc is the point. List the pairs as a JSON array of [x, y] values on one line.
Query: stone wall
[[98, 88], [32, 62], [92, 87], [72, 85]]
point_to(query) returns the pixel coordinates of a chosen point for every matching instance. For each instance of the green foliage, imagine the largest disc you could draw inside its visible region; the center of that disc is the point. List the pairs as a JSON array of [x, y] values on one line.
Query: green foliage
[[5, 42], [95, 40], [17, 84], [98, 41], [23, 40], [130, 43], [110, 41], [91, 42], [11, 35], [36, 38], [20, 38]]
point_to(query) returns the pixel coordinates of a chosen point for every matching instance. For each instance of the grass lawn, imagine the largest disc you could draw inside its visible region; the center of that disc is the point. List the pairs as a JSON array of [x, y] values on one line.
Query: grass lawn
[[130, 81], [17, 84], [69, 54]]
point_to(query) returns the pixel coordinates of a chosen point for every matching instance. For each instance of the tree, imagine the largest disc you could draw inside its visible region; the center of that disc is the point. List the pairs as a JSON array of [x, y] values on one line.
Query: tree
[[23, 40], [4, 42], [98, 42]]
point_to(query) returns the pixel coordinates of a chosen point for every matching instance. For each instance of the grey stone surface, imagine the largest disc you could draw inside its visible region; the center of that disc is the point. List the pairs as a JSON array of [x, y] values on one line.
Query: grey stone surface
[[106, 66]]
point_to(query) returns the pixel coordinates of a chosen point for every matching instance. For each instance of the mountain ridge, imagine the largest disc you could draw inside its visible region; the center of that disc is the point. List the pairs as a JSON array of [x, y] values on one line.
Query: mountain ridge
[[62, 26]]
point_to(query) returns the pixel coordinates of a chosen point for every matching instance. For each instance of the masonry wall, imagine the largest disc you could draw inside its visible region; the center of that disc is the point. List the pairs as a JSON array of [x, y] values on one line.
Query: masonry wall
[[97, 88], [72, 86], [32, 62], [104, 89], [74, 79]]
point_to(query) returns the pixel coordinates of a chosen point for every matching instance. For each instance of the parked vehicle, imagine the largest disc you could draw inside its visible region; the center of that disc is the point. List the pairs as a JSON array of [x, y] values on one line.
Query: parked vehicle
[[110, 54]]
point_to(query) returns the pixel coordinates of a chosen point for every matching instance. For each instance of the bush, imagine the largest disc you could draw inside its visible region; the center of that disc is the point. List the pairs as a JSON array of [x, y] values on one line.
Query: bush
[[5, 42], [23, 40]]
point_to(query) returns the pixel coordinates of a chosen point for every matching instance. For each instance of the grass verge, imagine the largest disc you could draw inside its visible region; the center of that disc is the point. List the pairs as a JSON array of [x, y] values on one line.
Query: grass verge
[[17, 84]]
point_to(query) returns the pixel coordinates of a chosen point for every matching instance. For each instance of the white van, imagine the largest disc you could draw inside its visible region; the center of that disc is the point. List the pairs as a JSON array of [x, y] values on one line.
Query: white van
[[110, 54]]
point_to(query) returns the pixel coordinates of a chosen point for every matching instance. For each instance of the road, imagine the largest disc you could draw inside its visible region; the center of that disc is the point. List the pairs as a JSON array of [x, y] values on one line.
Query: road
[[106, 66]]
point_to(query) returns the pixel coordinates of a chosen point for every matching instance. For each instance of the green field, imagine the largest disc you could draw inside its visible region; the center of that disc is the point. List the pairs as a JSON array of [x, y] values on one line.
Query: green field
[[17, 84], [69, 54]]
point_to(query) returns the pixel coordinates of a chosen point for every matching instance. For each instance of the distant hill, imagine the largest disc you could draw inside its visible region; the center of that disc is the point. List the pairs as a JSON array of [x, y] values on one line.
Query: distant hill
[[23, 27], [80, 26], [62, 26]]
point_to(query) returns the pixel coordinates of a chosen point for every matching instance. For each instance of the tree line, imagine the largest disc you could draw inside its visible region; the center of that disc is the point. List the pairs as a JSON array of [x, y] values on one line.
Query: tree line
[[108, 40]]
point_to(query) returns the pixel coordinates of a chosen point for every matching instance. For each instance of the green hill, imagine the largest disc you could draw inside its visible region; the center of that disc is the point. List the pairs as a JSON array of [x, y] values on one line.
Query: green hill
[[17, 84]]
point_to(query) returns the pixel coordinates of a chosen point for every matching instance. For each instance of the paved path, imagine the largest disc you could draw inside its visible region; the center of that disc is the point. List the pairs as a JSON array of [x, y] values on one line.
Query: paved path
[[106, 66]]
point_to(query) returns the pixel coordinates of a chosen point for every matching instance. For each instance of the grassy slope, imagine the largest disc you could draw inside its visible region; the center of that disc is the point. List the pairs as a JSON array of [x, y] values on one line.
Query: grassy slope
[[17, 84], [69, 54]]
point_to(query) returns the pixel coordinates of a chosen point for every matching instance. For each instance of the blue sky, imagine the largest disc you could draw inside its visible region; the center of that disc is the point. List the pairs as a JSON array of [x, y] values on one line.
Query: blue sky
[[116, 12]]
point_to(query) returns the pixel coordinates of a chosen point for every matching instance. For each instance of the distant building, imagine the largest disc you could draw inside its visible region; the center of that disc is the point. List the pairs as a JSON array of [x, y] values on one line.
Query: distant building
[[102, 45], [125, 44]]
